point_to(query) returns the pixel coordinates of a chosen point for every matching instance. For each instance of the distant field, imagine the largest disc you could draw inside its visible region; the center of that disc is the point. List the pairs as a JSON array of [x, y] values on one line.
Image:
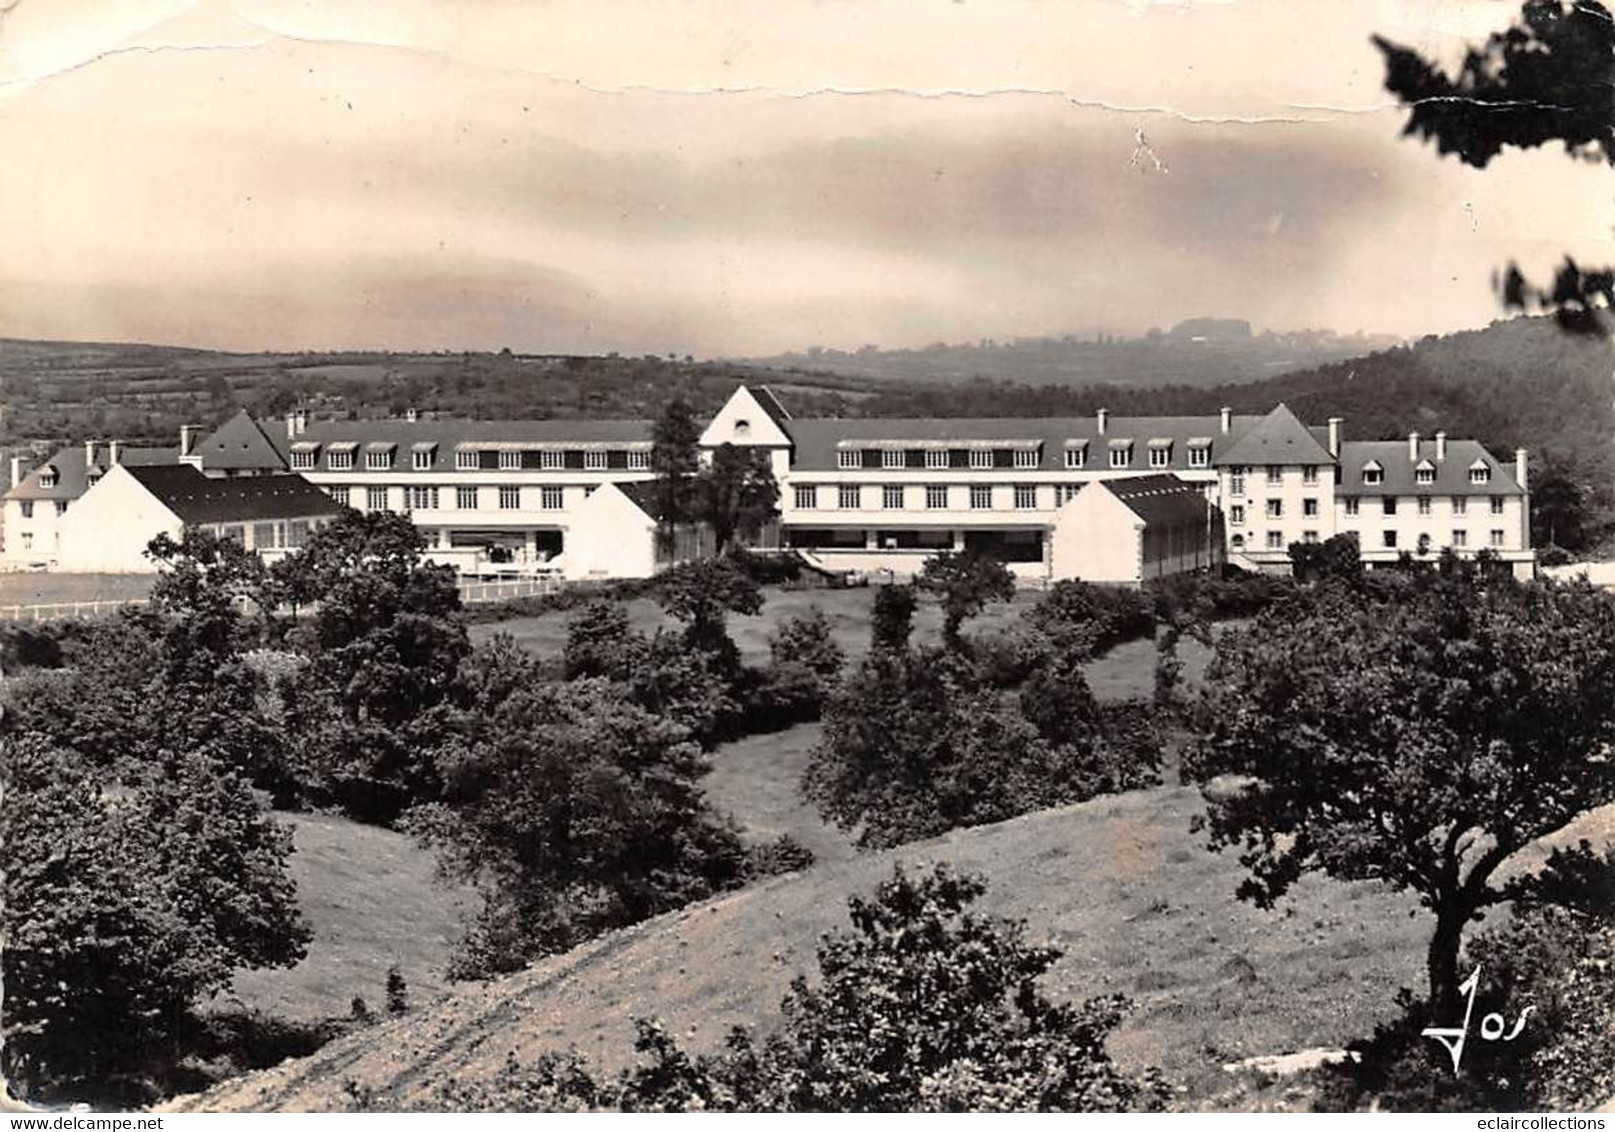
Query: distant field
[[373, 900], [51, 589]]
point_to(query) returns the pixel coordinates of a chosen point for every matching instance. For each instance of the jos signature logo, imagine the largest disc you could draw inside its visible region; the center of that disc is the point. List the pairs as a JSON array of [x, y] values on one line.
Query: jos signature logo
[[1491, 1026]]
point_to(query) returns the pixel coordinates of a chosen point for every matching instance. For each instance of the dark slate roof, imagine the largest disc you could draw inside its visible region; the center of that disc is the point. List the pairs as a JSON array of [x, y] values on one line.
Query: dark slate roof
[[241, 444], [195, 498], [73, 476], [447, 433], [771, 405], [1277, 438], [1401, 478], [1161, 500], [645, 496], [817, 438]]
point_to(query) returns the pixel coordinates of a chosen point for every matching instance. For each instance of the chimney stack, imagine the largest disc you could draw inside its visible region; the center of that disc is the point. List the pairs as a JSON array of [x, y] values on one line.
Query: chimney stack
[[1104, 417], [1520, 469], [1413, 448], [291, 425], [114, 451], [89, 454], [1441, 447], [302, 421], [1227, 415], [187, 436], [1334, 436], [16, 470]]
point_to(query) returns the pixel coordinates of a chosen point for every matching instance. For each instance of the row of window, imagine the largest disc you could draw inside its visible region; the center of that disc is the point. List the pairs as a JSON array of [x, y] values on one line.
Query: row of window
[[1309, 507], [427, 498], [28, 507], [1275, 475], [424, 459], [894, 497], [1076, 456], [1388, 540]]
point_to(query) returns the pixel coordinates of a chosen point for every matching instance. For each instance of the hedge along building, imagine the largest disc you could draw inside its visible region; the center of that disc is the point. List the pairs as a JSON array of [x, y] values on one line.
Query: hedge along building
[[108, 530]]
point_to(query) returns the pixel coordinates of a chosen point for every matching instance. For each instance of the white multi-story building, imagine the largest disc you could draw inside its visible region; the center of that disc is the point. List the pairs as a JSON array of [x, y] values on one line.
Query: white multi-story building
[[37, 503], [883, 493]]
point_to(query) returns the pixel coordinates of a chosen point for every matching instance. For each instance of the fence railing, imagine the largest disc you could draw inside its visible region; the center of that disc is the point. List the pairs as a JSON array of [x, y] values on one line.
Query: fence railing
[[51, 611], [476, 593]]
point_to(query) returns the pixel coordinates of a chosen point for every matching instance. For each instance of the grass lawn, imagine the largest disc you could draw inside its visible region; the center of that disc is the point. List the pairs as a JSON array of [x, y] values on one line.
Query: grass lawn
[[24, 588], [373, 900]]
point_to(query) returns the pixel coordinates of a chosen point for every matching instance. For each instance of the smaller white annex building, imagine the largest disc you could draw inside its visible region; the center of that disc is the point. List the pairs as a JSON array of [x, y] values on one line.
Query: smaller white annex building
[[1132, 530], [108, 529]]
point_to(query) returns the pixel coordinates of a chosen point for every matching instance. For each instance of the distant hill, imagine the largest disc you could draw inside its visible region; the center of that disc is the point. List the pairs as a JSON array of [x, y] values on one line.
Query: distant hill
[[1522, 382], [1200, 351]]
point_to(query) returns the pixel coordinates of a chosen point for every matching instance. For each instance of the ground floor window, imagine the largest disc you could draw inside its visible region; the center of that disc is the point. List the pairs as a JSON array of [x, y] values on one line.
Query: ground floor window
[[1007, 546]]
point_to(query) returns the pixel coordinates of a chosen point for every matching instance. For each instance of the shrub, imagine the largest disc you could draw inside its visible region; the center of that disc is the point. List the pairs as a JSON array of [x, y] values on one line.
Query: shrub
[[785, 854], [923, 1006], [1085, 620]]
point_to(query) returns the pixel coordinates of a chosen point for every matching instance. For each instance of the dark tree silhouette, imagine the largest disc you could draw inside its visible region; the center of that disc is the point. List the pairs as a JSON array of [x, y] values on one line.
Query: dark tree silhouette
[[1549, 78]]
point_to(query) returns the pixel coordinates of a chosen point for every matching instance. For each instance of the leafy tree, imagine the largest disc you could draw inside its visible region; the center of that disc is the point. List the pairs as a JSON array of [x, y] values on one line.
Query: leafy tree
[[1419, 737], [702, 594], [1545, 80], [1560, 508], [121, 909], [736, 494], [601, 642], [385, 644], [892, 623], [1082, 620], [915, 745], [965, 583], [925, 1006], [1334, 557], [808, 639], [675, 457], [576, 811]]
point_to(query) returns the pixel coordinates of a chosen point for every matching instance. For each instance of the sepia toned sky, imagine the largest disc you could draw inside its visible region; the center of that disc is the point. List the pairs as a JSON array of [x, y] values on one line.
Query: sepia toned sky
[[731, 178]]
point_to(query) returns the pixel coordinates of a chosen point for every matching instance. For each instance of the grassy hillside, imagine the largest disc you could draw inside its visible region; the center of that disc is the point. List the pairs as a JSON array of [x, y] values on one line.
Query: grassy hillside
[[373, 900], [1138, 906]]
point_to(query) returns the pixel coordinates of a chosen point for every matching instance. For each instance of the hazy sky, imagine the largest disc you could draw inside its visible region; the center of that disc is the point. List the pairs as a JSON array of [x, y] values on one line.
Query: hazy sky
[[732, 178]]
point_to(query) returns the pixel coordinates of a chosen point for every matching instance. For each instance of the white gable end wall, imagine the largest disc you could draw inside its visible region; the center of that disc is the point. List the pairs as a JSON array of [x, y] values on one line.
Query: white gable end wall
[[609, 537], [743, 423], [106, 530], [1096, 538]]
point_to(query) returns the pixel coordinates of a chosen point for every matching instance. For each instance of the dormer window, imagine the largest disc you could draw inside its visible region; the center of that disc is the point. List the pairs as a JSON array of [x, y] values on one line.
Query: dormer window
[[849, 459], [510, 460], [340, 456], [93, 478], [1480, 472], [378, 456], [423, 455], [1425, 472], [891, 458], [1026, 458], [1076, 454], [1161, 453], [467, 460], [1199, 452], [550, 459], [638, 461], [596, 460], [305, 455], [936, 458], [1373, 473], [47, 477], [1121, 453], [981, 458]]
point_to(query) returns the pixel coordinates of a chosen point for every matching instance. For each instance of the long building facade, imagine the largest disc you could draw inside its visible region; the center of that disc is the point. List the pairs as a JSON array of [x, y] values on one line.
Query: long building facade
[[884, 494]]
